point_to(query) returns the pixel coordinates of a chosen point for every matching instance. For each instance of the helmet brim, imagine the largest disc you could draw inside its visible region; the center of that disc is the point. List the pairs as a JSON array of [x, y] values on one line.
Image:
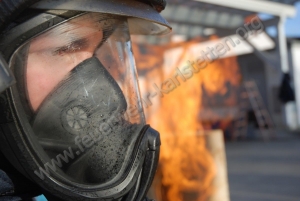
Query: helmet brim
[[142, 18]]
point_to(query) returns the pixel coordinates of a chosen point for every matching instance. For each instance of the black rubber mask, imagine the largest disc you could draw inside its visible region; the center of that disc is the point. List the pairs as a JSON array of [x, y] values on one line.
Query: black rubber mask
[[87, 110]]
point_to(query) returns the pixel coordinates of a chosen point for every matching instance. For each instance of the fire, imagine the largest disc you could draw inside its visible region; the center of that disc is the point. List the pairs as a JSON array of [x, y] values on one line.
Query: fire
[[186, 169]]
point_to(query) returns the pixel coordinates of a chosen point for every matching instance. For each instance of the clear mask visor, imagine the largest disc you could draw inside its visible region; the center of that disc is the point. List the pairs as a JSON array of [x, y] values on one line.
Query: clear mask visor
[[80, 92]]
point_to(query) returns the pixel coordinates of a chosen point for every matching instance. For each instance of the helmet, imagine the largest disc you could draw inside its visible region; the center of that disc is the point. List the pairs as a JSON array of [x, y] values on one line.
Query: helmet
[[73, 124]]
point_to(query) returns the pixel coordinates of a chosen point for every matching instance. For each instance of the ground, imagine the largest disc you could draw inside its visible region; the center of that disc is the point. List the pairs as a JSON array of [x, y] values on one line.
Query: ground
[[264, 171]]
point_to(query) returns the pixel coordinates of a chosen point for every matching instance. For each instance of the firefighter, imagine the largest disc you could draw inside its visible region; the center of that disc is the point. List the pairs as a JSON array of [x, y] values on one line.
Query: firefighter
[[72, 127]]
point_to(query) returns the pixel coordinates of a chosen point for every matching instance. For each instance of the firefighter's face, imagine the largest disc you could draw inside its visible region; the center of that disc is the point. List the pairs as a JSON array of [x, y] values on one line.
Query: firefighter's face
[[54, 54]]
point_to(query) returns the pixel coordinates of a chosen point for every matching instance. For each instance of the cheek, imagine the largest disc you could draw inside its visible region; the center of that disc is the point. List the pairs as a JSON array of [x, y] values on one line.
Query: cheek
[[96, 38], [44, 72]]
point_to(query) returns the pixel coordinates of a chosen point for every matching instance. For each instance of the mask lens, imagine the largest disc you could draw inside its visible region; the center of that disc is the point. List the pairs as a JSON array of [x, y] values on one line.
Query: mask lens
[[80, 94]]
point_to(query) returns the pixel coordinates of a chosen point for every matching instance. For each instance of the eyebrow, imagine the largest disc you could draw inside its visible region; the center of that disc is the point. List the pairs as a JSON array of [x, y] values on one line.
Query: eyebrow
[[72, 46]]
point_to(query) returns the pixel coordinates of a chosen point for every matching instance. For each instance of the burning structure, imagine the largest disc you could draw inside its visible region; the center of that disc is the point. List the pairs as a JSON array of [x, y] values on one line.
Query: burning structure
[[176, 90], [188, 93]]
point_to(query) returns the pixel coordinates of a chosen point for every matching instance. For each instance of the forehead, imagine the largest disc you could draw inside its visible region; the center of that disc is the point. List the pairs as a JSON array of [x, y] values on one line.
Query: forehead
[[87, 26], [83, 24]]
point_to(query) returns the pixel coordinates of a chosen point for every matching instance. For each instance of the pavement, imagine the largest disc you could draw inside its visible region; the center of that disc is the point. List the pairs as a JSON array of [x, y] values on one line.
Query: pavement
[[264, 171]]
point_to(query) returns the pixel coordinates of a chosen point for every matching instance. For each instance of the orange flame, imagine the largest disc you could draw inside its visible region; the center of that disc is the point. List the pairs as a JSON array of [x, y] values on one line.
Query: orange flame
[[186, 167]]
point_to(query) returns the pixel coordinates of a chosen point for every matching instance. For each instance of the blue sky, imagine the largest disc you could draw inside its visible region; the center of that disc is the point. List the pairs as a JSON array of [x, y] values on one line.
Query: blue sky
[[292, 26]]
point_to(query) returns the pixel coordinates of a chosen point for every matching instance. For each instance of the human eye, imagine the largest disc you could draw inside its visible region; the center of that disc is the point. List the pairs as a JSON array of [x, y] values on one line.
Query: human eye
[[74, 46]]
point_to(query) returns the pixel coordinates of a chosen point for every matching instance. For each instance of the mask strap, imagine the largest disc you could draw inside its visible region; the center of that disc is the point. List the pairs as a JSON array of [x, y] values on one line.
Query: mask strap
[[6, 77]]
